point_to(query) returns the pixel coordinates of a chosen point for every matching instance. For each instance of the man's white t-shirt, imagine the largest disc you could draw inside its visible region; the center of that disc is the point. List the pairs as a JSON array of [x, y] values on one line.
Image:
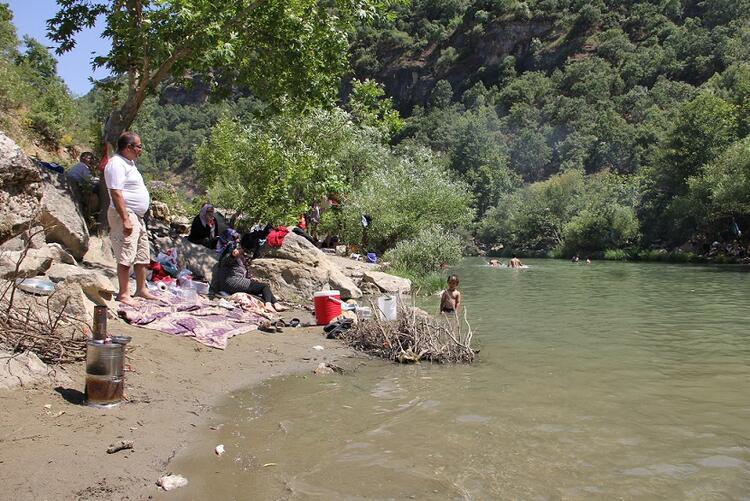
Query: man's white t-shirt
[[121, 174]]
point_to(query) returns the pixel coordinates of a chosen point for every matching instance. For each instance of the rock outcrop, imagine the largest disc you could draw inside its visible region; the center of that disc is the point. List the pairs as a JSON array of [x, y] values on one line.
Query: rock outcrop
[[36, 262], [297, 269], [386, 282], [20, 190], [34, 238], [198, 259], [61, 216]]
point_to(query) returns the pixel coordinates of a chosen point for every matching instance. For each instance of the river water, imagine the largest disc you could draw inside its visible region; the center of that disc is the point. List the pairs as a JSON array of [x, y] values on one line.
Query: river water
[[601, 381]]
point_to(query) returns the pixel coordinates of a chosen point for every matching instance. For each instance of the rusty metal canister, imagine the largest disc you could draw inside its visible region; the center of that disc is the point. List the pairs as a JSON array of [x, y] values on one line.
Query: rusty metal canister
[[99, 332], [105, 382]]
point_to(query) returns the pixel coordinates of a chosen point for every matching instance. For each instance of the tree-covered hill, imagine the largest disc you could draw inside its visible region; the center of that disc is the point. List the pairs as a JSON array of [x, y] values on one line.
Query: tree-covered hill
[[644, 99]]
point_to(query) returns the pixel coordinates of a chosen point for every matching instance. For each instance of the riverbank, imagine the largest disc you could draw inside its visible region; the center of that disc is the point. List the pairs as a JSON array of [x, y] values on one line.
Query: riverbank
[[53, 447]]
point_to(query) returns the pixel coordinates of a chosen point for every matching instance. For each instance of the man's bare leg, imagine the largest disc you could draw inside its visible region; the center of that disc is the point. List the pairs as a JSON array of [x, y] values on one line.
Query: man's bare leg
[[123, 276], [140, 282]]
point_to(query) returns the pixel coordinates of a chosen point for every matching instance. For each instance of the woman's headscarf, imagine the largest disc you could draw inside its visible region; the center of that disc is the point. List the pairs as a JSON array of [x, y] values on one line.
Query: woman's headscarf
[[202, 215]]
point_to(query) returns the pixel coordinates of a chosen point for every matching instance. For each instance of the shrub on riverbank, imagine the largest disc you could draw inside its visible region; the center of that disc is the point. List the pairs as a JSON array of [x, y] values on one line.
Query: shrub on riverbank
[[411, 191]]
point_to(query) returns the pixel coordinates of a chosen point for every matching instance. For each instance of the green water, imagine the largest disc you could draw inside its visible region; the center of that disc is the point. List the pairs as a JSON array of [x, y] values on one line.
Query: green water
[[614, 380]]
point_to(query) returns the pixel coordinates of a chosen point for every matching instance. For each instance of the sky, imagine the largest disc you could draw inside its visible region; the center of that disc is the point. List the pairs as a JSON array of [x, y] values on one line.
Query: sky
[[30, 18]]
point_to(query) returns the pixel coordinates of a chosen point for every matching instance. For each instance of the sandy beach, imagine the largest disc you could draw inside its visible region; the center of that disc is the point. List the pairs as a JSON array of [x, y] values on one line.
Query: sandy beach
[[54, 447]]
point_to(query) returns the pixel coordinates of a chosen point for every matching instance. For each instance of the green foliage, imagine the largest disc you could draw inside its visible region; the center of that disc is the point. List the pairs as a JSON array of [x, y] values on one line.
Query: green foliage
[[569, 212], [423, 254], [273, 169], [371, 108], [410, 191], [179, 203], [31, 90], [282, 50]]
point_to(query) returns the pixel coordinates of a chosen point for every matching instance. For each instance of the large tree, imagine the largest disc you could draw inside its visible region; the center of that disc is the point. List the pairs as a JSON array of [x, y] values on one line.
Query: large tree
[[296, 49]]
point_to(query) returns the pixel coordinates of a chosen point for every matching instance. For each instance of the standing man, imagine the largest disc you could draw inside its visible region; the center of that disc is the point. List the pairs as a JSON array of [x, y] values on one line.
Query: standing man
[[129, 201]]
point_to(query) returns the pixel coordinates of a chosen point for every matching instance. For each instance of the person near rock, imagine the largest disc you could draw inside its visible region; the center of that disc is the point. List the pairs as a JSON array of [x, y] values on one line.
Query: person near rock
[[129, 200], [85, 184], [314, 220], [230, 276], [206, 228], [514, 262]]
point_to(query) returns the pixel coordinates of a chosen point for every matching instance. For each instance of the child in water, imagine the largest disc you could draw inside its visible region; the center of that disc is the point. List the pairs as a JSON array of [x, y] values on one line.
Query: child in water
[[450, 301]]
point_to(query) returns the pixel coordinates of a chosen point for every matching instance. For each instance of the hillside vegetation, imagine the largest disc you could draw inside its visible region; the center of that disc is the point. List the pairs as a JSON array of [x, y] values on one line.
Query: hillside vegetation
[[580, 126], [562, 127], [36, 107]]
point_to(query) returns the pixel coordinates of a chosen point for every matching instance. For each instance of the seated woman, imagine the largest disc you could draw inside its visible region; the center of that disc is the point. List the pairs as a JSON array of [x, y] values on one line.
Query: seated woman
[[206, 227], [230, 276]]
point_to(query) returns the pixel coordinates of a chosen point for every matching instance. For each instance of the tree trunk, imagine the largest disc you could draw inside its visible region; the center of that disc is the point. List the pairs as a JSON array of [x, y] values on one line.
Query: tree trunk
[[118, 122]]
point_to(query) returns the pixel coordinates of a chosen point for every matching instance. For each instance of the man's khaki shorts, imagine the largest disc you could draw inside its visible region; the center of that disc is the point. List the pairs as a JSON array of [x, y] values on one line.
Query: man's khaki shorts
[[132, 249]]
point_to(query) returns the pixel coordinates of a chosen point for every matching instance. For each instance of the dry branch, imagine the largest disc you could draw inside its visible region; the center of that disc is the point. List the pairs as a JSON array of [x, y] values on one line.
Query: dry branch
[[414, 336], [51, 333]]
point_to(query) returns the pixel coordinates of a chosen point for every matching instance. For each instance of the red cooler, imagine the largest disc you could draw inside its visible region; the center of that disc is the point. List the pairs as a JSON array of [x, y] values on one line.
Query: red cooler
[[327, 306]]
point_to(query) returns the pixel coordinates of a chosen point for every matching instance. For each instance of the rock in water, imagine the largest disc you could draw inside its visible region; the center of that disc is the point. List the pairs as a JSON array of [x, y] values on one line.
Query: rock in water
[[20, 189], [61, 217]]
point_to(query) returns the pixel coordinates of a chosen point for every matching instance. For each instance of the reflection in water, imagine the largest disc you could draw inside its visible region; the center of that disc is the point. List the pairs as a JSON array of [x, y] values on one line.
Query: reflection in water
[[601, 381]]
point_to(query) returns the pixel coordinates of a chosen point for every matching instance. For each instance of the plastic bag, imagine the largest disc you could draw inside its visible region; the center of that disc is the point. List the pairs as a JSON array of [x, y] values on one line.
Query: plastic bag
[[168, 261]]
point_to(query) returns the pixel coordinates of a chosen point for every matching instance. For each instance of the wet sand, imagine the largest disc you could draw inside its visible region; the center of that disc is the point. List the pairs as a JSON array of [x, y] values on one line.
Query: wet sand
[[60, 452]]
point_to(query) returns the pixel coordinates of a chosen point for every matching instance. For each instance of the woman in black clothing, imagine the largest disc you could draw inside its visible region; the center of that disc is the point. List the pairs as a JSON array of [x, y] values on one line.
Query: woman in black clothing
[[206, 228], [230, 276]]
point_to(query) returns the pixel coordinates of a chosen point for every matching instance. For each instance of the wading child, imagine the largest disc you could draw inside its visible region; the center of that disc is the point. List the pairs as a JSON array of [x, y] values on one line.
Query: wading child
[[450, 301]]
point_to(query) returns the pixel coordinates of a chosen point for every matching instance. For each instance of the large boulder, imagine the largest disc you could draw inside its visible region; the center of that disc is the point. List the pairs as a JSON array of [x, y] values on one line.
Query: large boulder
[[20, 190], [160, 211], [297, 269], [100, 252], [32, 238], [200, 260], [61, 216], [386, 282], [97, 287], [26, 369], [35, 262]]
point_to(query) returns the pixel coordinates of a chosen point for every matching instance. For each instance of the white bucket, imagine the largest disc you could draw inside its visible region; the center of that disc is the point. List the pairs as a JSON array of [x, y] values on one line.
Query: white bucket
[[387, 307]]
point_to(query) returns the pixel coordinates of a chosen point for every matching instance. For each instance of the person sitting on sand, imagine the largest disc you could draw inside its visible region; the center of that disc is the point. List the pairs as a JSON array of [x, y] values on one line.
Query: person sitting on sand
[[206, 228], [230, 276], [450, 301], [515, 262]]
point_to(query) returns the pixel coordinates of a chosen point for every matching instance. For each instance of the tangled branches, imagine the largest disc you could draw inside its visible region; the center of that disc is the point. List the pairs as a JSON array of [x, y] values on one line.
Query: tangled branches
[[45, 328], [414, 336]]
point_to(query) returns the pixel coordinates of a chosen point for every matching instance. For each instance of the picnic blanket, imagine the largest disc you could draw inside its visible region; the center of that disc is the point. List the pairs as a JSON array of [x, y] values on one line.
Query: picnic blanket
[[199, 318]]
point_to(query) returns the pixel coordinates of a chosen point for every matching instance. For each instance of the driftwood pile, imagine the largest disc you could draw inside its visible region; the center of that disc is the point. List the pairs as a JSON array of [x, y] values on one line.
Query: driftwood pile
[[414, 336], [26, 325]]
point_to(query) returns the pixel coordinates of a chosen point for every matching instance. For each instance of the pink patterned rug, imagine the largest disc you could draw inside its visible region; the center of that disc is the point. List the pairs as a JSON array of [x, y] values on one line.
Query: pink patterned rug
[[201, 318]]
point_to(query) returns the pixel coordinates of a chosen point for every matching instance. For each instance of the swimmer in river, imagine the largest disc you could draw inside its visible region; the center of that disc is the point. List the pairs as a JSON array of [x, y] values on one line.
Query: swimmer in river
[[515, 262], [450, 301], [495, 263]]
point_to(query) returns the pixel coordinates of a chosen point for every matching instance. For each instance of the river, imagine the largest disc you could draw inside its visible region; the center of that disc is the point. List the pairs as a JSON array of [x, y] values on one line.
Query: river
[[601, 381]]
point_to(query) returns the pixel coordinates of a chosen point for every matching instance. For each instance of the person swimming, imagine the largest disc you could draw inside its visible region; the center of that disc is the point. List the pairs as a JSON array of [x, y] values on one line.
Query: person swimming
[[515, 262]]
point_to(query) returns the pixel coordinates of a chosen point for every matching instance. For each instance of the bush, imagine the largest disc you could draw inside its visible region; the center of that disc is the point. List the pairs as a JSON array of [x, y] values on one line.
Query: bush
[[426, 252], [410, 192], [616, 255]]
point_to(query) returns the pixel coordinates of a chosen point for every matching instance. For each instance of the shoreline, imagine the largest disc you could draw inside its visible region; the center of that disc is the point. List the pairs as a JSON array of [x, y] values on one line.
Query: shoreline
[[53, 447]]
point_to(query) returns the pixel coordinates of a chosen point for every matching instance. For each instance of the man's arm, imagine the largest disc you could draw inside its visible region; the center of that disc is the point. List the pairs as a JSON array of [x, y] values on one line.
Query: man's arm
[[118, 200]]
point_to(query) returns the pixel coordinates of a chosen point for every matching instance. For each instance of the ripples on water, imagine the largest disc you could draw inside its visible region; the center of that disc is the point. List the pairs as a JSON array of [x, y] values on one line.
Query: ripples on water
[[614, 380]]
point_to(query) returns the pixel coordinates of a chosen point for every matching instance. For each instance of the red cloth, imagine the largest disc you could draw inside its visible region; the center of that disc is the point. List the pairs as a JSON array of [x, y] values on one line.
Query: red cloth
[[276, 237], [104, 160]]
